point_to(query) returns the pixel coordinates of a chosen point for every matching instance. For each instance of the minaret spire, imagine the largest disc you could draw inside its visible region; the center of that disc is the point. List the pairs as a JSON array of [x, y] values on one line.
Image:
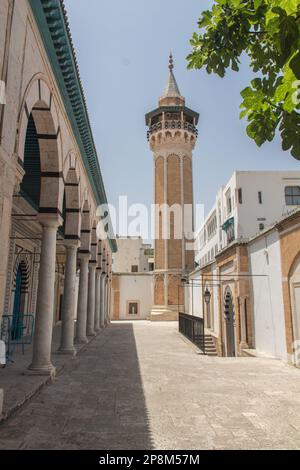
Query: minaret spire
[[171, 62], [171, 96]]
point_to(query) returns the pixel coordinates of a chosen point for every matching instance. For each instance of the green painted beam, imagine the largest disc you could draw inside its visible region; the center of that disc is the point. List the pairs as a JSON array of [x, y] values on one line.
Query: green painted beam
[[51, 20]]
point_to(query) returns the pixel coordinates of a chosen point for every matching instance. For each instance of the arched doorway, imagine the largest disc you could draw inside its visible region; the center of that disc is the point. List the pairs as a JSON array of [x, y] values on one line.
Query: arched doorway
[[31, 183], [229, 324], [39, 148], [19, 304]]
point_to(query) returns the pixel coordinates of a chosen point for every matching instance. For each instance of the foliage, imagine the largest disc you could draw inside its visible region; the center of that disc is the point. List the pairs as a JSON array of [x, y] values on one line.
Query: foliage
[[268, 31]]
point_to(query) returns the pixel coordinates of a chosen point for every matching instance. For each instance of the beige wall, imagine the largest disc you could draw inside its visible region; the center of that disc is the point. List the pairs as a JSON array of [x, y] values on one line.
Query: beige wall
[[26, 70]]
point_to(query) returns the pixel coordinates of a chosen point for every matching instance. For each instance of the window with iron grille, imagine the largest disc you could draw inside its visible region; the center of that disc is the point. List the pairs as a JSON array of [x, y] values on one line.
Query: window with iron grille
[[292, 195], [133, 308]]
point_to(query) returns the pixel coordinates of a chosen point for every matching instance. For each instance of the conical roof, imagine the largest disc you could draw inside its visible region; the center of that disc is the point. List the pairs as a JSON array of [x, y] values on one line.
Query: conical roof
[[172, 92]]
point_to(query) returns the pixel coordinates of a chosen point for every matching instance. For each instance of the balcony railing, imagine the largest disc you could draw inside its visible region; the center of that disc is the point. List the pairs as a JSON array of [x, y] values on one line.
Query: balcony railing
[[193, 328], [164, 125]]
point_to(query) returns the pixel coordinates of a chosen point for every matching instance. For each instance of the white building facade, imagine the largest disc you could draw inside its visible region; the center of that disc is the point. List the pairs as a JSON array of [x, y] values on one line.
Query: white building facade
[[132, 285], [240, 252], [245, 206]]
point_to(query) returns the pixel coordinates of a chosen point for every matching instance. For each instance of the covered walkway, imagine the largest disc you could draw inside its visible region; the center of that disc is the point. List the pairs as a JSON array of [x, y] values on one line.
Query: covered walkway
[[141, 385]]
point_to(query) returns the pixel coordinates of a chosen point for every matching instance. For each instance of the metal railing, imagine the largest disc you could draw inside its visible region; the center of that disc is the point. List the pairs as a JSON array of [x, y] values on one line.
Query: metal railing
[[193, 329], [16, 332], [172, 125]]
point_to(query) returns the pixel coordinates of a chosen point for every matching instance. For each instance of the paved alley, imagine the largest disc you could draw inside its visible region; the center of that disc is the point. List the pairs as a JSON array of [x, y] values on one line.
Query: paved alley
[[143, 386]]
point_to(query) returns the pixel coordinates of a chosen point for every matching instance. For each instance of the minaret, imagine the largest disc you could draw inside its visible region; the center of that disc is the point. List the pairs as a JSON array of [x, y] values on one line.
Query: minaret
[[172, 136]]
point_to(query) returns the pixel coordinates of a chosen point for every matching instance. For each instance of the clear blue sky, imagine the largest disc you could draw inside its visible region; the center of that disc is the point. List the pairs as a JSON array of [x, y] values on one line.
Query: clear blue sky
[[122, 49]]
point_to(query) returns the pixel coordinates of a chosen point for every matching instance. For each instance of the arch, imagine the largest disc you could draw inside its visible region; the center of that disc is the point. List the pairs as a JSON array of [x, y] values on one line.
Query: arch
[[85, 229], [72, 211], [229, 318], [174, 194], [20, 290], [175, 292], [94, 242], [22, 264], [159, 290], [38, 124], [294, 291]]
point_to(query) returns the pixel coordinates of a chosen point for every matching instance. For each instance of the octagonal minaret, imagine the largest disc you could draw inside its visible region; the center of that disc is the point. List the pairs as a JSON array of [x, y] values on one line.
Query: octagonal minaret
[[172, 136]]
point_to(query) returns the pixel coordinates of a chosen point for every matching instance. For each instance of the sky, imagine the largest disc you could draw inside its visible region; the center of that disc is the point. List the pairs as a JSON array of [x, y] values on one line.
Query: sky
[[122, 49]]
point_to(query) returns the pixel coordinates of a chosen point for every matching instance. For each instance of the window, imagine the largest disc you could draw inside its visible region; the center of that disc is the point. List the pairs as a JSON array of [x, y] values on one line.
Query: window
[[134, 269], [228, 202], [260, 197], [292, 195], [212, 226], [151, 267], [240, 196], [261, 226], [133, 308]]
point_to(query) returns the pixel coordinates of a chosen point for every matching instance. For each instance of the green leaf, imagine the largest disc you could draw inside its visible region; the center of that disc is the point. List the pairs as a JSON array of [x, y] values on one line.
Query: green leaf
[[257, 3], [289, 6], [295, 65], [289, 34]]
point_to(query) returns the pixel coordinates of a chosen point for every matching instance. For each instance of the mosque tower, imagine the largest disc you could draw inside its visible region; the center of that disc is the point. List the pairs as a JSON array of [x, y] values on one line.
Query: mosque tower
[[172, 136]]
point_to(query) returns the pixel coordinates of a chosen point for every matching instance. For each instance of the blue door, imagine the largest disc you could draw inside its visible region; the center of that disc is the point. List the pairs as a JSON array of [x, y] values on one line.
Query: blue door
[[16, 330]]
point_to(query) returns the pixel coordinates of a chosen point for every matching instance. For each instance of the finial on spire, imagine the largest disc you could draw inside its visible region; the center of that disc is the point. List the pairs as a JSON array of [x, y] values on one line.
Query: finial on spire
[[171, 62]]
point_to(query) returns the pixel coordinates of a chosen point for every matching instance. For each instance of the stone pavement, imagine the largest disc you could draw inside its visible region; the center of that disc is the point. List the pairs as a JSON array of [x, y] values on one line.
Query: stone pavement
[[142, 386], [19, 388]]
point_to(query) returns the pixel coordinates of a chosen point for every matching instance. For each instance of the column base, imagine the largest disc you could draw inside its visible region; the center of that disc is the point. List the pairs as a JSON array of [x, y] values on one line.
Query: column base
[[48, 370], [97, 330], [66, 352], [91, 333], [243, 345], [81, 341], [163, 313]]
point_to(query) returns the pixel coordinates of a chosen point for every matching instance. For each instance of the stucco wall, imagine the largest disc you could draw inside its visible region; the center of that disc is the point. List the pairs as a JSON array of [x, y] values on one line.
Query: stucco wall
[[264, 257], [131, 251], [135, 288]]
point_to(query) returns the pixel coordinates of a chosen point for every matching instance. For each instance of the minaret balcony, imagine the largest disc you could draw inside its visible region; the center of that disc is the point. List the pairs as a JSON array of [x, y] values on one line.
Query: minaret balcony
[[170, 125]]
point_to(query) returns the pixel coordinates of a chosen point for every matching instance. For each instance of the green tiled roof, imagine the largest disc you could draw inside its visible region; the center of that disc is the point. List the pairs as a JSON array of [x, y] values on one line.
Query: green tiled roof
[[53, 25]]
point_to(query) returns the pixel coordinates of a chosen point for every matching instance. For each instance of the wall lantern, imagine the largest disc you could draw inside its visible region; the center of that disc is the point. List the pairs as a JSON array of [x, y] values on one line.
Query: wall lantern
[[207, 296]]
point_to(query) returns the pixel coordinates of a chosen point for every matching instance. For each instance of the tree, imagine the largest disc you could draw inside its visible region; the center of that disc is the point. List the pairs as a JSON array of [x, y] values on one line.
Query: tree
[[268, 31]]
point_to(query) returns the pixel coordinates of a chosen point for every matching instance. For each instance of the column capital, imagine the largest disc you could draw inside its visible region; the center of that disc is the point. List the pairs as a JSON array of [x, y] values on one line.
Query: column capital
[[50, 220], [84, 255], [71, 244]]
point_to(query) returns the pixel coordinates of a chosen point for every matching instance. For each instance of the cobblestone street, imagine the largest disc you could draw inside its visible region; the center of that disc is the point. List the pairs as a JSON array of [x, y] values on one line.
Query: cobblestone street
[[142, 386]]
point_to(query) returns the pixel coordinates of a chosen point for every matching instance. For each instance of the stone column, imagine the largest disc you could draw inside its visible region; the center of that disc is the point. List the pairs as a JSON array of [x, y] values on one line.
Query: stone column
[[68, 306], [242, 319], [109, 302], [91, 300], [106, 301], [102, 310], [41, 360], [82, 299], [98, 301]]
